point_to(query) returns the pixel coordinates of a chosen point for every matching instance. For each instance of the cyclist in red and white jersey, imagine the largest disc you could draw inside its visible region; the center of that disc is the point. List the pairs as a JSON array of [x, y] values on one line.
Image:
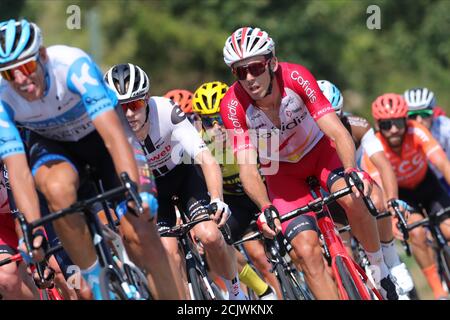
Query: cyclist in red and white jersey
[[290, 120], [15, 283]]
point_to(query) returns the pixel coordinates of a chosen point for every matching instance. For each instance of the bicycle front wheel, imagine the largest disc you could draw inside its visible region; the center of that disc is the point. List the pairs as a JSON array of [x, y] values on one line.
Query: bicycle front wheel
[[285, 283], [198, 291], [137, 278], [444, 263], [347, 281], [110, 285]]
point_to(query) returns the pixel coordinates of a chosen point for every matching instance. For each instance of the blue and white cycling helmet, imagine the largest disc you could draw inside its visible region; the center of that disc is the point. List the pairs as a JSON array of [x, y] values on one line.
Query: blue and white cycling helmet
[[419, 99], [332, 93], [18, 40]]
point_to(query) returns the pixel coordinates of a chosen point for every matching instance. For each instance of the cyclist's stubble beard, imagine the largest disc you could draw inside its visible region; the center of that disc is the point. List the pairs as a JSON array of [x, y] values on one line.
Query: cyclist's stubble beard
[[395, 140]]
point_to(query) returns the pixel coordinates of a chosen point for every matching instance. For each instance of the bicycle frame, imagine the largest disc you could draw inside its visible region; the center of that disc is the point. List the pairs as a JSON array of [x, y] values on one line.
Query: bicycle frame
[[336, 248], [192, 260], [95, 228]]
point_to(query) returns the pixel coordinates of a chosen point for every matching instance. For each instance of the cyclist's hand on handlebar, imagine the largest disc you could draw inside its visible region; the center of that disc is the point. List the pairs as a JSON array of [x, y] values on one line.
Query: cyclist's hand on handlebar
[[397, 233], [39, 243], [222, 212], [262, 222], [404, 208], [360, 180]]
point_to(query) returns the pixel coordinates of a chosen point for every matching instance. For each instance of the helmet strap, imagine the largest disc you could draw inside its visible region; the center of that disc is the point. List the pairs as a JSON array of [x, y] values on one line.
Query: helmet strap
[[147, 112], [269, 89]]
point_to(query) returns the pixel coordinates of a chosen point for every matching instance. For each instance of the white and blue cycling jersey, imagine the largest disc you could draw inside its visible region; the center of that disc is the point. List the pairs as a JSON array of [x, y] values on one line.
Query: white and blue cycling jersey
[[75, 95], [440, 129]]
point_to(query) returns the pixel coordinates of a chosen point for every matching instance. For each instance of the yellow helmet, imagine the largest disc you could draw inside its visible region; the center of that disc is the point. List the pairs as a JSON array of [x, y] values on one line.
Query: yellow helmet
[[208, 96]]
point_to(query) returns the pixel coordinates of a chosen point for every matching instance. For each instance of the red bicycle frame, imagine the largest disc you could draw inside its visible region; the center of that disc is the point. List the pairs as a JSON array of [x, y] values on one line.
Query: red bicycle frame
[[336, 248], [52, 293]]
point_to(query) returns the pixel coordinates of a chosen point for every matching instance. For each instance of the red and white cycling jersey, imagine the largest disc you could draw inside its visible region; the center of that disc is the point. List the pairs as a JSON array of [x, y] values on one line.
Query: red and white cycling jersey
[[302, 103]]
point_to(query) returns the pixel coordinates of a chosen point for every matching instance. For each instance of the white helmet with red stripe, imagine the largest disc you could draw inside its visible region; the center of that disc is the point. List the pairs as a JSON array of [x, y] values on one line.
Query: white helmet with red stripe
[[247, 42]]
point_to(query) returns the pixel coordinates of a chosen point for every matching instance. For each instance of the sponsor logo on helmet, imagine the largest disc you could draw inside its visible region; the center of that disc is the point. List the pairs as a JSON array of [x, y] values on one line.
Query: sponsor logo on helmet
[[305, 84], [177, 115]]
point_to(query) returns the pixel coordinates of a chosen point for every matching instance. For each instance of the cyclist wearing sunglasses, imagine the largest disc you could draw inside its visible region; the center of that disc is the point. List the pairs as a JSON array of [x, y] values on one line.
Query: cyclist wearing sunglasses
[[183, 166], [206, 104], [421, 106], [59, 95], [409, 146], [282, 104], [385, 191]]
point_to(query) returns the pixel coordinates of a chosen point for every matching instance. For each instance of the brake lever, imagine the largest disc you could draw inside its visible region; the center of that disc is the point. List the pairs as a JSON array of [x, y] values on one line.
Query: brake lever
[[133, 193], [360, 186]]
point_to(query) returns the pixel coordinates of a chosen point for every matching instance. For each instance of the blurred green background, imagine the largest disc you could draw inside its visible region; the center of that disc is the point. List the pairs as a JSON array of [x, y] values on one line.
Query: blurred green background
[[179, 42]]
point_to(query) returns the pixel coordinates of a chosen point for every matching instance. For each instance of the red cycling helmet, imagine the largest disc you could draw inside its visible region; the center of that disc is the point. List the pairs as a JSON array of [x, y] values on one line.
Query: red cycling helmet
[[181, 97], [389, 106]]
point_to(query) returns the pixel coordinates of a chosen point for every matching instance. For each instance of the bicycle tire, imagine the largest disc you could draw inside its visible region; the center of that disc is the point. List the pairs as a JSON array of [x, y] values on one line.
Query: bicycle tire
[[110, 284], [301, 289], [196, 283], [137, 278], [285, 283], [347, 281], [444, 257]]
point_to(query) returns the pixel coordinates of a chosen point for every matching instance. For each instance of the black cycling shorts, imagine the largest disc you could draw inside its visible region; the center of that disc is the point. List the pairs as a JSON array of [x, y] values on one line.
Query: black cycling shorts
[[185, 181], [429, 194], [243, 212], [90, 150]]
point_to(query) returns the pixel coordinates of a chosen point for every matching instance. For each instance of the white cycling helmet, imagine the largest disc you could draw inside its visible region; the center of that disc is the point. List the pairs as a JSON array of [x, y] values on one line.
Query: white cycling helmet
[[333, 94], [419, 99], [128, 81], [18, 40], [247, 42]]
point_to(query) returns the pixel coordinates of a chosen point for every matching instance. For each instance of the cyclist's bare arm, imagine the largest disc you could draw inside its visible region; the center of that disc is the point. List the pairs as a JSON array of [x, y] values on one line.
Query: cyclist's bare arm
[[110, 129], [387, 173], [332, 126], [251, 179], [22, 186], [213, 174]]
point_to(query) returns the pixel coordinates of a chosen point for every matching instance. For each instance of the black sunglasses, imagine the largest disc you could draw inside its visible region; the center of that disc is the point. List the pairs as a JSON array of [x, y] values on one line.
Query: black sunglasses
[[386, 125]]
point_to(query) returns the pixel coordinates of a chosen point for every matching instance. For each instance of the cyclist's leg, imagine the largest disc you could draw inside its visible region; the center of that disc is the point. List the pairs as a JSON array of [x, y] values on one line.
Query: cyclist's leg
[[256, 253], [140, 234], [288, 191], [56, 177], [15, 283], [363, 224], [426, 194], [166, 220], [243, 213], [221, 256]]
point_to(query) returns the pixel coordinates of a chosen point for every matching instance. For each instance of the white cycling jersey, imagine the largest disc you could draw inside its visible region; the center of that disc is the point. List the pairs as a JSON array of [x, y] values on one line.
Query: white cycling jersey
[[75, 94], [440, 129], [369, 144], [171, 137]]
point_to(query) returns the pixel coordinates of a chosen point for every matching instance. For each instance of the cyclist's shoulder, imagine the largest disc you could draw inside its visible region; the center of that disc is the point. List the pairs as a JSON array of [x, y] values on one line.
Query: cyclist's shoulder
[[62, 55], [418, 132], [234, 98], [165, 112]]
